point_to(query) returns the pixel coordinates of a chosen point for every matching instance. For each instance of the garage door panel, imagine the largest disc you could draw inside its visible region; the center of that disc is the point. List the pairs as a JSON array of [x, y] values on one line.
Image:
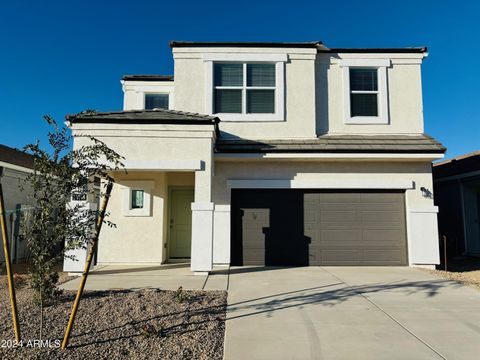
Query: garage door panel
[[340, 216], [381, 216], [296, 227], [338, 198]]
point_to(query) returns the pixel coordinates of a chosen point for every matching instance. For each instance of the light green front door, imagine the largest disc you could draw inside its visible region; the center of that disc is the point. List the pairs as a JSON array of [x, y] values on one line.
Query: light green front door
[[180, 222]]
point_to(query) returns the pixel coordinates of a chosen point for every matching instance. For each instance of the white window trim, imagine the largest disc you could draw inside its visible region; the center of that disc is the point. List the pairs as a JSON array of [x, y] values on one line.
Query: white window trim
[[147, 187], [383, 111], [157, 92], [279, 61]]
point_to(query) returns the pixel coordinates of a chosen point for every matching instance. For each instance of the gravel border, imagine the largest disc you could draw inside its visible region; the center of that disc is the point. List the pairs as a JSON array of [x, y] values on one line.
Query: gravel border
[[142, 324]]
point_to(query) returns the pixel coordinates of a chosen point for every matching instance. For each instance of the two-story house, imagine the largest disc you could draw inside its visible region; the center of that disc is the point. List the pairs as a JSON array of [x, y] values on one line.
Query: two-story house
[[304, 155]]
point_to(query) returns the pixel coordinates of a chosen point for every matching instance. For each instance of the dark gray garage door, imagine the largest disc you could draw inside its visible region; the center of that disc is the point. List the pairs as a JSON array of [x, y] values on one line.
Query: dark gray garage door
[[307, 227]]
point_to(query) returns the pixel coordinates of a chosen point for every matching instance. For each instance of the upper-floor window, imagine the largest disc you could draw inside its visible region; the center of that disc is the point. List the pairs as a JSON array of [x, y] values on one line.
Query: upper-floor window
[[156, 101], [244, 88], [365, 89], [363, 92]]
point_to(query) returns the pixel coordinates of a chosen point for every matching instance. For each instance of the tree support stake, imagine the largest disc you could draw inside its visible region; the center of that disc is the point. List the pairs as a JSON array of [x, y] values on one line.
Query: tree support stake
[[6, 251]]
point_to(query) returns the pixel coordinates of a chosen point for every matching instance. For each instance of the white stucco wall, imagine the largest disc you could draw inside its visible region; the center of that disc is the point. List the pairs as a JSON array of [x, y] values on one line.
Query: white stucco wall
[[134, 93], [404, 95], [420, 212], [190, 91], [314, 93], [139, 239]]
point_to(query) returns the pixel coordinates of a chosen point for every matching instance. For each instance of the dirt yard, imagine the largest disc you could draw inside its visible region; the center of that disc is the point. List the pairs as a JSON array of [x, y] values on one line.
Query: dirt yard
[[145, 324], [465, 270]]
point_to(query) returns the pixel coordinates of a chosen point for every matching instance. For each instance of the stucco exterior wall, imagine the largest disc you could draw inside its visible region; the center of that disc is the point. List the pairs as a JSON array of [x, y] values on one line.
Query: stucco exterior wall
[[134, 92], [190, 92], [139, 239], [156, 143], [314, 93], [404, 98], [421, 213]]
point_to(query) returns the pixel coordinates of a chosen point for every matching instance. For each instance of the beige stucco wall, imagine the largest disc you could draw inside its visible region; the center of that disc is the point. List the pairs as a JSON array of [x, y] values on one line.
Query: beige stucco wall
[[420, 213], [134, 92], [375, 171], [314, 93], [140, 239], [158, 142], [404, 98], [190, 92]]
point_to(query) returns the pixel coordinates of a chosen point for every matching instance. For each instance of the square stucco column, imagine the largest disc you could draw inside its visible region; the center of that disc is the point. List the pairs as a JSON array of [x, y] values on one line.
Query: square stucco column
[[74, 260], [202, 237], [221, 235], [202, 221]]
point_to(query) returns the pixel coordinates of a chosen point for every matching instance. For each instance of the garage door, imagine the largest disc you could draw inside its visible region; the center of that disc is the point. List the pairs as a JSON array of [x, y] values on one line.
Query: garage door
[[308, 227]]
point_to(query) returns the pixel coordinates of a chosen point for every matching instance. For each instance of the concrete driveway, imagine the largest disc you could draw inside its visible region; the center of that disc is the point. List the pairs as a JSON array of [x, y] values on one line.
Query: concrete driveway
[[349, 313]]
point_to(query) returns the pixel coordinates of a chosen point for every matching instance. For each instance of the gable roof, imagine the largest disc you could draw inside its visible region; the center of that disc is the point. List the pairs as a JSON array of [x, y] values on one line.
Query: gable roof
[[336, 144], [16, 157], [156, 116]]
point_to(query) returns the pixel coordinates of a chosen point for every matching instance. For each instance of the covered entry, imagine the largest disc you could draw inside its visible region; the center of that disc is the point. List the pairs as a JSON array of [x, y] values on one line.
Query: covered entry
[[276, 227]]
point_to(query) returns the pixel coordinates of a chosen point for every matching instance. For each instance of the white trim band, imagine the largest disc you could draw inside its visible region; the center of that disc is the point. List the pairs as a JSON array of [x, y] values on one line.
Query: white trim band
[[165, 165], [319, 184]]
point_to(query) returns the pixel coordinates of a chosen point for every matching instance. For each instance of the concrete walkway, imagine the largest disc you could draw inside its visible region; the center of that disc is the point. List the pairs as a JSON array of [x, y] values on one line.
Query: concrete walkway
[[349, 313], [134, 277]]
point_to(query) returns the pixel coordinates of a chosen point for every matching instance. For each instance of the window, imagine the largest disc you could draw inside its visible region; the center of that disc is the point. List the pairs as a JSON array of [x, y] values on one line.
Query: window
[[156, 101], [137, 199], [244, 88], [365, 90]]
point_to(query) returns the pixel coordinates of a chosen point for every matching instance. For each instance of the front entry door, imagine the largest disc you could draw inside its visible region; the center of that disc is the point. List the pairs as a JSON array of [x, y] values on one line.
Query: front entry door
[[180, 222]]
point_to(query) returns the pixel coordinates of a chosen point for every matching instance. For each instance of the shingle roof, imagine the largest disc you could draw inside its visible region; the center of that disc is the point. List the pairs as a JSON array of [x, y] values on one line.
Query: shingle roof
[[156, 116], [145, 77], [15, 157], [335, 143]]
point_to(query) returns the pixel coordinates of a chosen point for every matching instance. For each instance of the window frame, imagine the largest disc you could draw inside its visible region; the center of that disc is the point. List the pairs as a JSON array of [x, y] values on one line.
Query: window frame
[[382, 91], [128, 187], [277, 59], [169, 94], [132, 191], [244, 88]]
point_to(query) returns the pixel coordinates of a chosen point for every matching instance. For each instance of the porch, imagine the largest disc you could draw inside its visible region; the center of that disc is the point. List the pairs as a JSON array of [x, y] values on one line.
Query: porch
[[164, 277]]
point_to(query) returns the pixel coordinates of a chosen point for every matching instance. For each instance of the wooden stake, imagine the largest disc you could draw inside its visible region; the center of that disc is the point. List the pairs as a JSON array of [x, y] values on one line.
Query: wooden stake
[[6, 251], [87, 265]]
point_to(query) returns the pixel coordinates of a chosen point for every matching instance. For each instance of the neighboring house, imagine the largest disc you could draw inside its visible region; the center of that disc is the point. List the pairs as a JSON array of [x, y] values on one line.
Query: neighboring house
[[457, 195], [305, 156], [15, 167]]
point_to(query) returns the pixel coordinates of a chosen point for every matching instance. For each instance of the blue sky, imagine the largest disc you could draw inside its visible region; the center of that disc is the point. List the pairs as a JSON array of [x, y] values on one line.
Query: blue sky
[[59, 57]]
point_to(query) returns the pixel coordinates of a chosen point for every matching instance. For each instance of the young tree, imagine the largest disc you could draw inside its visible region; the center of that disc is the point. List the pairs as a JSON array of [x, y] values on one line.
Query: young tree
[[56, 224]]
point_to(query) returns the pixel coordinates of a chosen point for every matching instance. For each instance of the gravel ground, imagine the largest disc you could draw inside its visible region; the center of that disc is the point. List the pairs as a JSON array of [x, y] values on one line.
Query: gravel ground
[[465, 270], [145, 324]]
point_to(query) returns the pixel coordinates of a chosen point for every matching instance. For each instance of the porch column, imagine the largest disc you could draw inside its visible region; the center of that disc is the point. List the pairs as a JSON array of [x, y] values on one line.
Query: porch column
[[202, 222], [74, 260]]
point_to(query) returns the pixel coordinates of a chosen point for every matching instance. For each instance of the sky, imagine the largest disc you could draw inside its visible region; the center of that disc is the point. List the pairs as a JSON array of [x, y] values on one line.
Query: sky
[[62, 57]]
